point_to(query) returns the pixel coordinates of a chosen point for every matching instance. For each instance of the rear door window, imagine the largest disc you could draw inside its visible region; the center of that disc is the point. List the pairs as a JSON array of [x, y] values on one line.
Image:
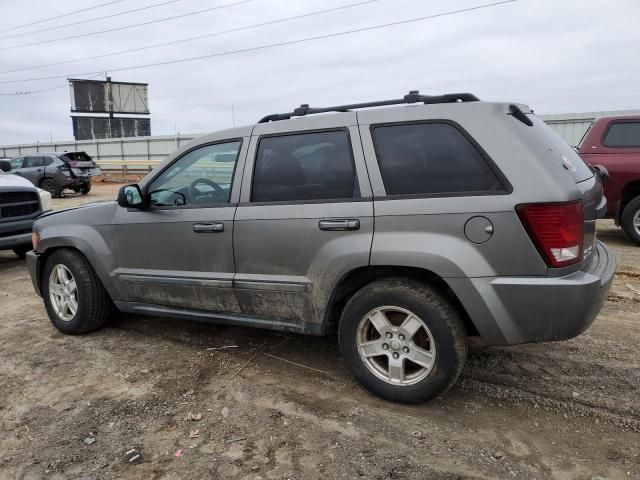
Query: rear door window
[[622, 134], [304, 167], [433, 158], [31, 162]]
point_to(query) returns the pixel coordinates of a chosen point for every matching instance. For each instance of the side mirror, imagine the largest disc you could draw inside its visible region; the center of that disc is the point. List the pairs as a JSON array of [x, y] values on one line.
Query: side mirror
[[601, 171], [5, 166], [130, 196]]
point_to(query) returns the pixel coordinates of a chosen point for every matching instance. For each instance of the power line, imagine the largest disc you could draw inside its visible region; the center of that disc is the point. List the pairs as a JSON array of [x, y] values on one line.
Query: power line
[[29, 92], [199, 37], [61, 16], [82, 22], [125, 27], [272, 45]]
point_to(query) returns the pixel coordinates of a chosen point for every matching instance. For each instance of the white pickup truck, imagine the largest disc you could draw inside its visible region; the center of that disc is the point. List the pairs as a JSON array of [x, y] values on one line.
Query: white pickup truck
[[20, 204]]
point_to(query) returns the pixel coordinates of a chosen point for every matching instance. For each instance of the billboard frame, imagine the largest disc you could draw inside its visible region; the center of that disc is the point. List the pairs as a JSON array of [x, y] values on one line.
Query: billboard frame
[[109, 100]]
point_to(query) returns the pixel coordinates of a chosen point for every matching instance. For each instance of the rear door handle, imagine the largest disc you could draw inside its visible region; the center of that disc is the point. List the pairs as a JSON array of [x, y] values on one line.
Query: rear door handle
[[339, 224], [213, 227]]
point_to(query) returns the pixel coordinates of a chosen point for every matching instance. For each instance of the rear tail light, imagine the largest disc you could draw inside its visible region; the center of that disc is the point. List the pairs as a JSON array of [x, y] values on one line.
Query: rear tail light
[[556, 229]]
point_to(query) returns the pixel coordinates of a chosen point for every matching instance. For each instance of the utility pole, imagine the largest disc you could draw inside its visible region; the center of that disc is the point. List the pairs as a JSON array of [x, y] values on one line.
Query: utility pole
[[110, 102]]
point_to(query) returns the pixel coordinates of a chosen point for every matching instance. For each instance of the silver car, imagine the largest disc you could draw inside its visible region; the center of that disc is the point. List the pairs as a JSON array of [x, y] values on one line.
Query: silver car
[[407, 229]]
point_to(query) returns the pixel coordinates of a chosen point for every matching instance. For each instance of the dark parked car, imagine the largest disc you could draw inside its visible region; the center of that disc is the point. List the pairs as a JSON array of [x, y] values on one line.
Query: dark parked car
[[20, 204], [55, 172]]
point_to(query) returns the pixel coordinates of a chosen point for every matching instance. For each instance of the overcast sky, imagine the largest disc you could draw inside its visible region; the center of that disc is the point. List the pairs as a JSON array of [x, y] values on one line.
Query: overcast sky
[[557, 56]]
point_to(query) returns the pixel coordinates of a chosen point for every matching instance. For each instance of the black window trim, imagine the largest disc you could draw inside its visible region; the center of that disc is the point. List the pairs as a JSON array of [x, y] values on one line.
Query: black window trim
[[187, 152], [507, 187], [310, 201], [611, 124]]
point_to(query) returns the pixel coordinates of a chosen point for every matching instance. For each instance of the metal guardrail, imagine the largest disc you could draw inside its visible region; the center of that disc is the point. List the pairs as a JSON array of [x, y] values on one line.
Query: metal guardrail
[[141, 154], [126, 155]]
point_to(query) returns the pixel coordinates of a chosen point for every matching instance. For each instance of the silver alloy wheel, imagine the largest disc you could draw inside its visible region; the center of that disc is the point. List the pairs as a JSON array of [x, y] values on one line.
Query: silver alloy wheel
[[636, 222], [63, 292], [396, 345]]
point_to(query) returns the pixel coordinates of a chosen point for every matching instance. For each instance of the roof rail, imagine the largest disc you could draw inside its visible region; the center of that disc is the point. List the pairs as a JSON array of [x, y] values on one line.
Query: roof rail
[[412, 97]]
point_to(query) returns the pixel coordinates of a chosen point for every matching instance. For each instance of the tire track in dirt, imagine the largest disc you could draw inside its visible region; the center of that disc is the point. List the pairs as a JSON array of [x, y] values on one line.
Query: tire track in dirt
[[554, 404]]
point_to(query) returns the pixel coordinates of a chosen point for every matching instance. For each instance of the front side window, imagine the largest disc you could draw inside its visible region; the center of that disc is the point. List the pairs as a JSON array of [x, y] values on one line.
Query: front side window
[[431, 159], [16, 162], [623, 134], [203, 176], [304, 167]]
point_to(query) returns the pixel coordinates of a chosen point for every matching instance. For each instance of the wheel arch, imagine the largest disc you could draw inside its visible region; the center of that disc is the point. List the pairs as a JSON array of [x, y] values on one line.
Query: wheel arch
[[83, 250], [357, 278]]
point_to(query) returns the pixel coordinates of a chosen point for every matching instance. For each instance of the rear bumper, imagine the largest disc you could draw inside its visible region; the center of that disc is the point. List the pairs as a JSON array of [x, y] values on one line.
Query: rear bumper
[[512, 310]]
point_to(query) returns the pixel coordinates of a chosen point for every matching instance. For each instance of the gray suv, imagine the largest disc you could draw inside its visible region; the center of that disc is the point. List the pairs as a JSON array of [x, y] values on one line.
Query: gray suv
[[55, 171], [405, 229]]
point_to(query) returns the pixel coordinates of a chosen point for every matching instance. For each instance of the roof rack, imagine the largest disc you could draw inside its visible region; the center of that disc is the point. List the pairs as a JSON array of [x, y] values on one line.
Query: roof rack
[[412, 97]]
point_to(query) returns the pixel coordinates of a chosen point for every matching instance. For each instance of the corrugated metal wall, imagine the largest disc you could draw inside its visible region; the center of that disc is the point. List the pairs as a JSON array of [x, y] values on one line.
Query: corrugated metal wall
[[142, 153]]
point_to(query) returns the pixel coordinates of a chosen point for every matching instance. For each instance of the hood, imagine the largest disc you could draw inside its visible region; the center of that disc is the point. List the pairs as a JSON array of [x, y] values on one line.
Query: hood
[[84, 207], [8, 181]]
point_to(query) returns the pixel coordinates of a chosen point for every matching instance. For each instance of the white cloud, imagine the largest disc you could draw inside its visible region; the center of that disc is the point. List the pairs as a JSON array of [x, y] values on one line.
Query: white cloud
[[557, 56]]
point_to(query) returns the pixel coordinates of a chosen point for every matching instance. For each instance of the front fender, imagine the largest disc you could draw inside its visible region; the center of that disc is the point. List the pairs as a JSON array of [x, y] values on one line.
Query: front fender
[[89, 241]]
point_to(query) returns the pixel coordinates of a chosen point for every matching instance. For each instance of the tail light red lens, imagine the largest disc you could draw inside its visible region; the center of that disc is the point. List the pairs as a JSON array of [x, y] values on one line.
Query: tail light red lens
[[556, 229]]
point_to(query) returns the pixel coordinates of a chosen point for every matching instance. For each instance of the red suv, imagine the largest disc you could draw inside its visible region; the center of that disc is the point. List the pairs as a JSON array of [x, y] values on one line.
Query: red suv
[[614, 142]]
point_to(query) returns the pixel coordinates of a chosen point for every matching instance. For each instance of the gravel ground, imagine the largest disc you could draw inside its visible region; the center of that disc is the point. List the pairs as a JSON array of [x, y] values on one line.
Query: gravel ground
[[86, 407]]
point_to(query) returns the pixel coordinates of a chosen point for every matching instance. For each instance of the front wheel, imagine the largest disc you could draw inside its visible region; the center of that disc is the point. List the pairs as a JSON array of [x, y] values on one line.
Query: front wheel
[[75, 300], [631, 220], [403, 340], [85, 188]]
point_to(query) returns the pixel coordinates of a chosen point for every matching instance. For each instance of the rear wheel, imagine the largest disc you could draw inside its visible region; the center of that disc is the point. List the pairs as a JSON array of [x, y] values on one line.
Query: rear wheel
[[631, 220], [75, 300], [51, 186], [85, 188], [403, 340]]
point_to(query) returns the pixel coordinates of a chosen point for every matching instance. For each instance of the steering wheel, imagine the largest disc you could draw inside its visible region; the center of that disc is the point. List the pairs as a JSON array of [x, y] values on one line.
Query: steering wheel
[[196, 193]]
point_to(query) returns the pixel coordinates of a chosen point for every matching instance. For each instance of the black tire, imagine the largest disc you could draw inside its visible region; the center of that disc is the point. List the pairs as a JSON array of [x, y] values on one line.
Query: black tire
[[76, 188], [85, 188], [51, 186], [436, 312], [630, 214], [22, 250], [94, 304]]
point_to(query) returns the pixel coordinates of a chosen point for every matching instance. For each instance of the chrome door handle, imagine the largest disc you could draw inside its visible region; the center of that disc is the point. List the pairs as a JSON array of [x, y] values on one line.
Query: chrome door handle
[[339, 224], [214, 227]]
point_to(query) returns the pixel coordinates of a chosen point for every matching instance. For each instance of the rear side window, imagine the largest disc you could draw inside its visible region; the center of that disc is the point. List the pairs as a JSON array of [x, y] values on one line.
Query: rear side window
[[30, 162], [304, 166], [622, 134], [431, 158]]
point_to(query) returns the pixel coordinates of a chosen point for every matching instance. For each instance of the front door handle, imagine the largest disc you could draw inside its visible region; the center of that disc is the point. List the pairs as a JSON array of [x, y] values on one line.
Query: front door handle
[[339, 224], [213, 227]]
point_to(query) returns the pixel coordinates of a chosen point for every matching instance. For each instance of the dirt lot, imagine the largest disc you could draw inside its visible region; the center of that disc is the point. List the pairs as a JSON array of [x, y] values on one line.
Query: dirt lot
[[72, 407]]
